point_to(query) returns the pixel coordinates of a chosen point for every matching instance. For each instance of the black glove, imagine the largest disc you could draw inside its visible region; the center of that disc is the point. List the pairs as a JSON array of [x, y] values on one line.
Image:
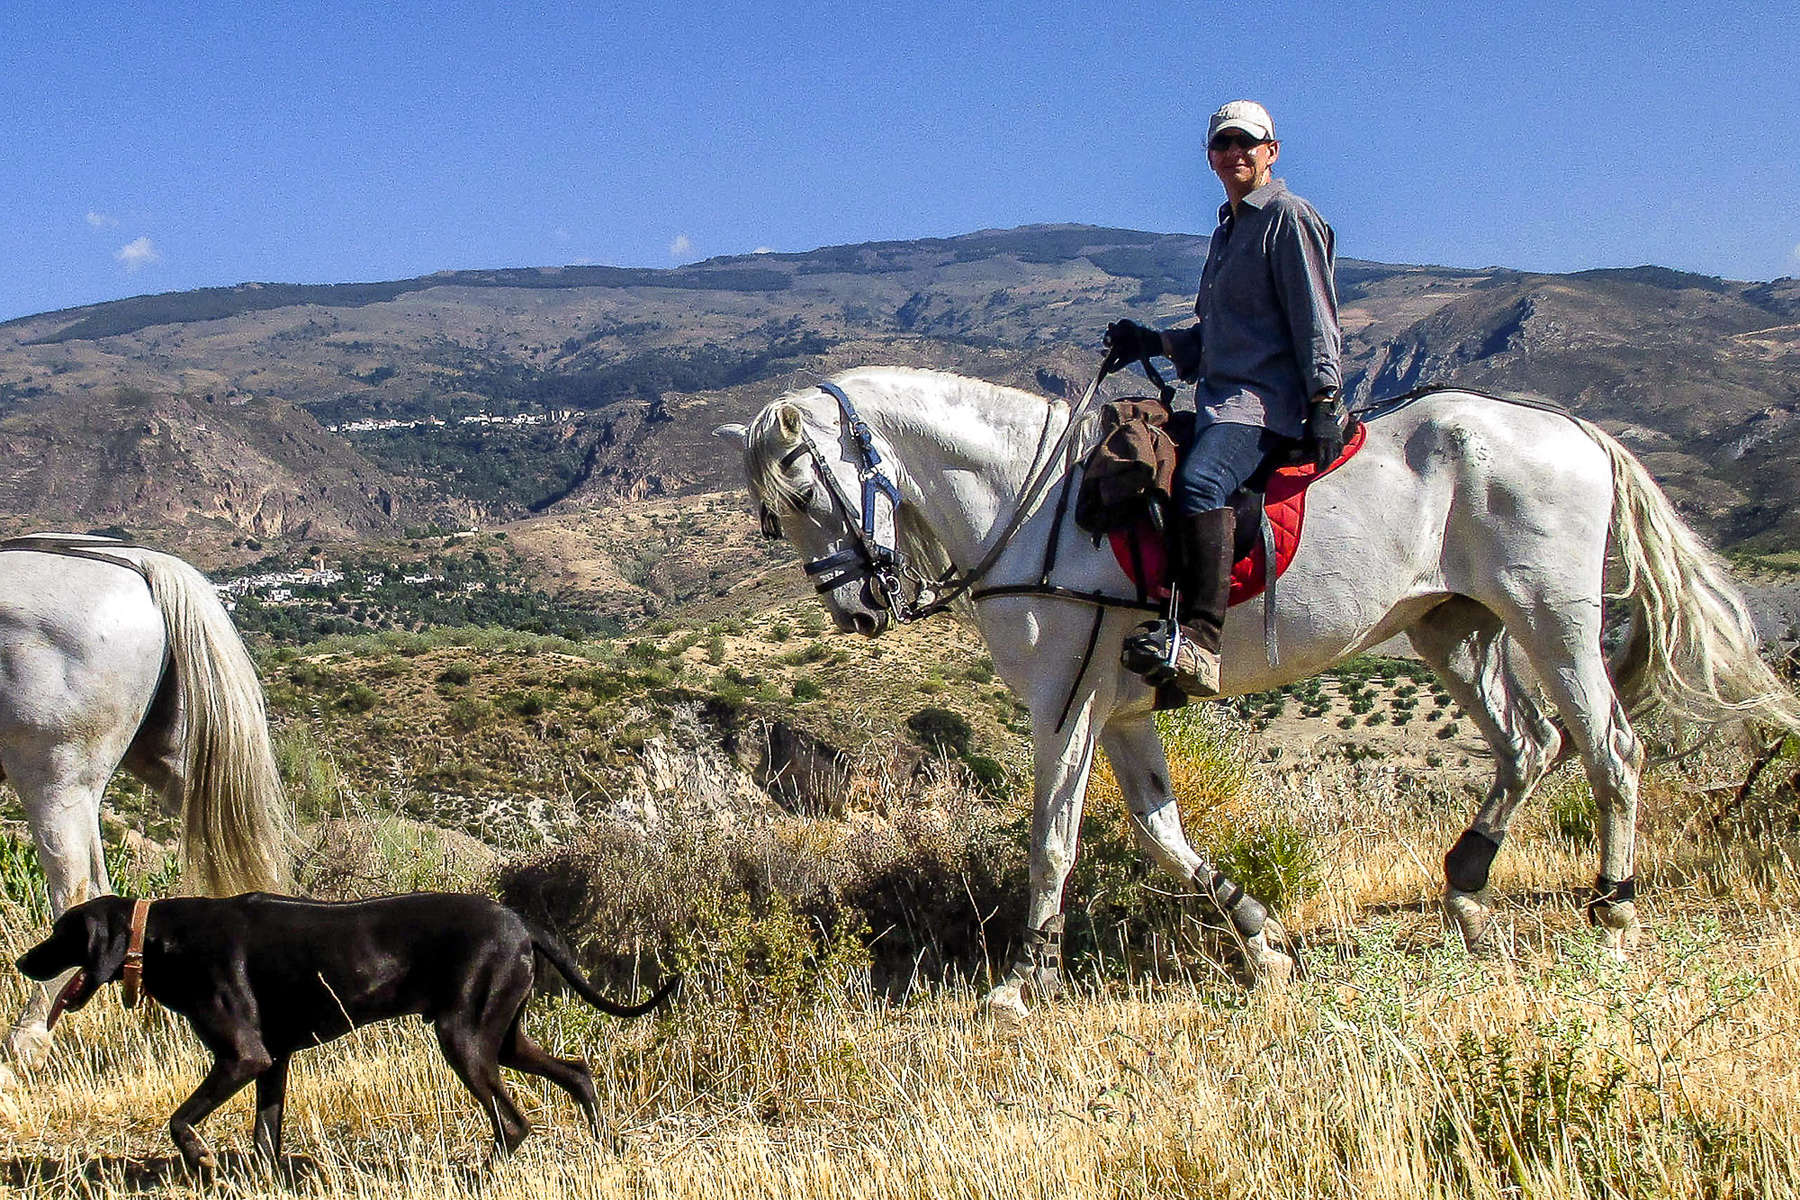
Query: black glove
[[1127, 341], [1325, 422]]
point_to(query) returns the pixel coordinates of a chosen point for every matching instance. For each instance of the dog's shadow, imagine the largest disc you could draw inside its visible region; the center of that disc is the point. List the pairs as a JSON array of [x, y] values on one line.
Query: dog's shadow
[[116, 1175]]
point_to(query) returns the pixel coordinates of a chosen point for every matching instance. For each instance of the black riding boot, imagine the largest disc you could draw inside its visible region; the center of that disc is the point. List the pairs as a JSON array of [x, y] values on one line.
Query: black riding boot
[[1201, 553]]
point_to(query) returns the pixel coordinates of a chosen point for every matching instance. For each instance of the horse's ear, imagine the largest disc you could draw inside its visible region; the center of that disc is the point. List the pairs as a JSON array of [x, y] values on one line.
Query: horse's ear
[[788, 420], [734, 433]]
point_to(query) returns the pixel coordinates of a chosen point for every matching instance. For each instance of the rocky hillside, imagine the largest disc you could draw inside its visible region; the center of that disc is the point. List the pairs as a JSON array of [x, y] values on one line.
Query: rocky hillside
[[230, 421]]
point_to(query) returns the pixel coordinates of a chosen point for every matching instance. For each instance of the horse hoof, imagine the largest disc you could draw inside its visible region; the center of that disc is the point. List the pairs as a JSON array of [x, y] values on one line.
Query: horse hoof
[[1269, 968], [1481, 934], [1007, 1008], [1619, 929], [29, 1045]]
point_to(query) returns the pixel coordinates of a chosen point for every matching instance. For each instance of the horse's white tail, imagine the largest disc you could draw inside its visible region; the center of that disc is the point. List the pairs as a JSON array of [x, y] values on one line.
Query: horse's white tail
[[1693, 647], [236, 830]]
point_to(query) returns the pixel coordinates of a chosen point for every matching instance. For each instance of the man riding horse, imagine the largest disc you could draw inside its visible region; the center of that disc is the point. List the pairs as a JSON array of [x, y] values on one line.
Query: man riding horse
[[1265, 357]]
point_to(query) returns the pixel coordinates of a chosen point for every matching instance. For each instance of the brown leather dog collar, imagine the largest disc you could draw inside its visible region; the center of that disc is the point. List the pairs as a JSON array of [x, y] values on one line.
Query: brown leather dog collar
[[132, 980]]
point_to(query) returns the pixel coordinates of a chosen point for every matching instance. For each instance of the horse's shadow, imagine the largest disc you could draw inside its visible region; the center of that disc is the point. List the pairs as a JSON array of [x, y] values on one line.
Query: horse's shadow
[[1428, 931], [118, 1175]]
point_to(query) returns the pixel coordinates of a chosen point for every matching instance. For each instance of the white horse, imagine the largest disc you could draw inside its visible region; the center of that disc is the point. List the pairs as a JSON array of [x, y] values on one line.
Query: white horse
[[1475, 526], [115, 654]]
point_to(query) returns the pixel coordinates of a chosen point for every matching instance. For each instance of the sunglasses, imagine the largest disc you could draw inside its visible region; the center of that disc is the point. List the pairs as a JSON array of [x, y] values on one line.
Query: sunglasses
[[1226, 141]]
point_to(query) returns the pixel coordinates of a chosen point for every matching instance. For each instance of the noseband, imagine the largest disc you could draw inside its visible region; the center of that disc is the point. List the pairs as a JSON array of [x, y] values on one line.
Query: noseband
[[867, 557]]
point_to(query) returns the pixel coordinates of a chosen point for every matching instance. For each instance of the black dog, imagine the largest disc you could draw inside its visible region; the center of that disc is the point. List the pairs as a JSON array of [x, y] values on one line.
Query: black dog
[[260, 976]]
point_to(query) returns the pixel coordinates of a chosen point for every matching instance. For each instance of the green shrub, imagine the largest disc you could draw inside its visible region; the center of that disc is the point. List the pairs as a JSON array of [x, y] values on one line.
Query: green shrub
[[530, 703], [467, 714], [987, 774], [1573, 813], [1523, 1114], [456, 674], [942, 730], [308, 772], [22, 878], [1276, 861], [358, 698], [812, 652]]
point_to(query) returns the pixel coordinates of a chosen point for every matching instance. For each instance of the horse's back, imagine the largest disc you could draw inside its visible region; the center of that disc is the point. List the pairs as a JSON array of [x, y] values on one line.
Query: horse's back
[[81, 644], [1510, 489]]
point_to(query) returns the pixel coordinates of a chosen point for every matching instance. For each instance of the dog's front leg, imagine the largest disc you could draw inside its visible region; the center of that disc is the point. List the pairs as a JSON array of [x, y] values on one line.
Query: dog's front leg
[[226, 1079], [271, 1094]]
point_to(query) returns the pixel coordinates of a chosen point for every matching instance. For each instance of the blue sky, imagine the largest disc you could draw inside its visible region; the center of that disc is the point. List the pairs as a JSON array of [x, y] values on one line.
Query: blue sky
[[324, 142]]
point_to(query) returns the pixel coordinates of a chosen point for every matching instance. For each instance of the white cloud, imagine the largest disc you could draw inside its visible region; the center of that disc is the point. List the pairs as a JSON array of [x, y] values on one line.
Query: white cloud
[[681, 246], [763, 250], [138, 254], [100, 220]]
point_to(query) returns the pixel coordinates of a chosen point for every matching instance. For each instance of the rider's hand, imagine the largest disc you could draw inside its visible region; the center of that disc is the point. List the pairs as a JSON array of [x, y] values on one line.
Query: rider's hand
[[1127, 341], [1325, 421]]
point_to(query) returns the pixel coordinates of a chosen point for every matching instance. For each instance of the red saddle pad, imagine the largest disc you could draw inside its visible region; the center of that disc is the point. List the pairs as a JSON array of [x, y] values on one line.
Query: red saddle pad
[[1285, 502]]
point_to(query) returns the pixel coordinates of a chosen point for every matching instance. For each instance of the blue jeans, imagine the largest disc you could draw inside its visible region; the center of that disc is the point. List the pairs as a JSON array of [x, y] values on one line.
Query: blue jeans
[[1217, 464]]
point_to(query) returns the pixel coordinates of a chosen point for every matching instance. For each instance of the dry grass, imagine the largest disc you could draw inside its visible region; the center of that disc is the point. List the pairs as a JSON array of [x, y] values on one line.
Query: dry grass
[[1393, 1066]]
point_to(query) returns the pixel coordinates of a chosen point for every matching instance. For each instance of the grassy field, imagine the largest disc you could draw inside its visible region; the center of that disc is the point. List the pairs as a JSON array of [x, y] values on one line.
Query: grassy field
[[1393, 1065]]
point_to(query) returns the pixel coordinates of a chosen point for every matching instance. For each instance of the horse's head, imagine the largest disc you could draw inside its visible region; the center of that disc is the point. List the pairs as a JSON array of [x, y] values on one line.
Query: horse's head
[[814, 497]]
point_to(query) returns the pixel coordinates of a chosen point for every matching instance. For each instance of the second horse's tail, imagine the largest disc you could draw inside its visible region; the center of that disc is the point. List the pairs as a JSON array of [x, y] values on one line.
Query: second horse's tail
[[236, 831]]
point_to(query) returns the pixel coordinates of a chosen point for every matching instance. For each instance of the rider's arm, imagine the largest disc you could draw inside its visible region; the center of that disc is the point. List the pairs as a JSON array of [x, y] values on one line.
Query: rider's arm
[[1301, 258]]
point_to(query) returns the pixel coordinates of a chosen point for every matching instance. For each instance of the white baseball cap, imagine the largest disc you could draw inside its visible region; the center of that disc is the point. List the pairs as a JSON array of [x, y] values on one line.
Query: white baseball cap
[[1246, 115]]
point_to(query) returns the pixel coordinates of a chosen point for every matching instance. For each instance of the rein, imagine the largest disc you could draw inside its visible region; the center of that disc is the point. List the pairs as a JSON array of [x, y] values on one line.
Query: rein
[[886, 566]]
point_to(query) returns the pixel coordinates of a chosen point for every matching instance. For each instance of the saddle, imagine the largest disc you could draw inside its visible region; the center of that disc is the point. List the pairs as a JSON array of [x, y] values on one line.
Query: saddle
[[1128, 478]]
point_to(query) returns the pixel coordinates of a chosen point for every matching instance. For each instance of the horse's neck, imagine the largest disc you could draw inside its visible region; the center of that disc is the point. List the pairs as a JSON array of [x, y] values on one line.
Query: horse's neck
[[967, 451]]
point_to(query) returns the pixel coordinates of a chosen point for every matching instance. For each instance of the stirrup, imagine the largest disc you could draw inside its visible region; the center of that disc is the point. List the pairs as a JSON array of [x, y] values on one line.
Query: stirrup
[[1163, 653]]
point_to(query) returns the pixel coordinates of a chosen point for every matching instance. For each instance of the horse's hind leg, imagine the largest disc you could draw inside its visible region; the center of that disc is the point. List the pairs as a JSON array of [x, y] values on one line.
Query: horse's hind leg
[[1464, 642], [1562, 638], [1138, 762], [60, 787]]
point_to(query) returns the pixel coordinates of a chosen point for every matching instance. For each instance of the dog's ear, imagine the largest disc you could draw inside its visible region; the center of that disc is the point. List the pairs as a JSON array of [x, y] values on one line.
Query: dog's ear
[[108, 937], [81, 937]]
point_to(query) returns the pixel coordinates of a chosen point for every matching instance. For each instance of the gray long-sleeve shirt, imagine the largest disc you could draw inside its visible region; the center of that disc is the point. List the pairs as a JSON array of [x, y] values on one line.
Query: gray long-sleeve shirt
[[1268, 339]]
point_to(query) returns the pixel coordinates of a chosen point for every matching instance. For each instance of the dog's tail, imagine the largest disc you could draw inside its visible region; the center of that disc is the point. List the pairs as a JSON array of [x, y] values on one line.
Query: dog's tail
[[558, 956]]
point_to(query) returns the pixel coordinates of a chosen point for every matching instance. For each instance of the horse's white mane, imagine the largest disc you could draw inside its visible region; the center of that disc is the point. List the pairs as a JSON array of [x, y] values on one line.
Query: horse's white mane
[[766, 441], [770, 435]]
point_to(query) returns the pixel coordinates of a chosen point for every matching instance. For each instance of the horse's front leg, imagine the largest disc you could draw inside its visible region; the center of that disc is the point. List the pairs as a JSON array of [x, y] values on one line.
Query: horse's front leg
[[1062, 758], [61, 794], [1135, 751]]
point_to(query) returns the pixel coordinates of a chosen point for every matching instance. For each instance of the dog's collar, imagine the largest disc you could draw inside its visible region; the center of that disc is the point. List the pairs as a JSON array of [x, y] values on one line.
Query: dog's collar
[[132, 981]]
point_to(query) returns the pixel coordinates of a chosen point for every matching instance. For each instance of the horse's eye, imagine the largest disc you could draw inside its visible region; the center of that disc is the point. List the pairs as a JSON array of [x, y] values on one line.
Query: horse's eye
[[803, 499]]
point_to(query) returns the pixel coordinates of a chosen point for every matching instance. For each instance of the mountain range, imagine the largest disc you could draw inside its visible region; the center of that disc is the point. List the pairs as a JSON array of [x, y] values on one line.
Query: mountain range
[[230, 422]]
